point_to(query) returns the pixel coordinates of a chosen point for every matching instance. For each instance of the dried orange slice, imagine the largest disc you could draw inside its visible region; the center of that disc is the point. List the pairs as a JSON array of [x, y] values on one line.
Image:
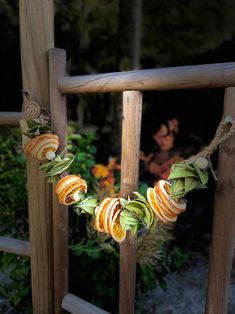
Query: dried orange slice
[[165, 208], [164, 205], [28, 146], [153, 201], [162, 188], [116, 231], [109, 213], [112, 212], [165, 215], [151, 198], [41, 145], [154, 204], [99, 214], [68, 189], [65, 182]]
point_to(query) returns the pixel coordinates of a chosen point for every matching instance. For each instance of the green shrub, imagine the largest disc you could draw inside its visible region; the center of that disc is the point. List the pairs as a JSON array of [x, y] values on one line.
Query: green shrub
[[14, 219]]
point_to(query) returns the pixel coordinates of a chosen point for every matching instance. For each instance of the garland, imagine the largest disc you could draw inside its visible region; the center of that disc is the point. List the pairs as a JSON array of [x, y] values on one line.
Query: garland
[[115, 215]]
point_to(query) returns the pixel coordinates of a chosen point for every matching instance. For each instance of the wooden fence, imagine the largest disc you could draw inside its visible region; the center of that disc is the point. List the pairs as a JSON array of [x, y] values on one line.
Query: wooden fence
[[45, 74]]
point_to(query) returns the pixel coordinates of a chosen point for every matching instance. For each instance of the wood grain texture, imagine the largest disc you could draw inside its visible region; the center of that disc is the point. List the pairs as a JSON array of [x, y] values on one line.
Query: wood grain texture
[[37, 36], [187, 77], [18, 247], [76, 305], [10, 118], [223, 235], [131, 127], [57, 68]]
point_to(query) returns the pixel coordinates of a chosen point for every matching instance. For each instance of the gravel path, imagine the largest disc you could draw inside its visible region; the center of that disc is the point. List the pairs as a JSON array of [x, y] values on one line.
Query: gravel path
[[186, 292]]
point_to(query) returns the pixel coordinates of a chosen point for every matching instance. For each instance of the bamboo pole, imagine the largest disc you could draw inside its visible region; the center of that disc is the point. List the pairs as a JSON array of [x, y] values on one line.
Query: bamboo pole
[[76, 305], [37, 36], [10, 118], [57, 68], [223, 235], [18, 247], [187, 77], [131, 126]]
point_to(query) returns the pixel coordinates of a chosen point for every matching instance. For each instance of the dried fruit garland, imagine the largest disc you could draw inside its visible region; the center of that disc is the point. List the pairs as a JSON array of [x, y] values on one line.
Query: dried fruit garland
[[116, 215]]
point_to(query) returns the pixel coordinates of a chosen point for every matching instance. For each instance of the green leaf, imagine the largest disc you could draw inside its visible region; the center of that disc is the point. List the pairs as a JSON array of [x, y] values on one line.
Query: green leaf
[[123, 201], [190, 184], [140, 197], [134, 229], [88, 205], [56, 166], [186, 177], [182, 170], [203, 175]]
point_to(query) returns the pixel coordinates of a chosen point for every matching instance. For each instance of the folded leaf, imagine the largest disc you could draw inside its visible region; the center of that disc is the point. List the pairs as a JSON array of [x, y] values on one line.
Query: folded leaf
[[186, 177], [88, 205], [203, 175], [182, 170], [56, 166], [190, 184]]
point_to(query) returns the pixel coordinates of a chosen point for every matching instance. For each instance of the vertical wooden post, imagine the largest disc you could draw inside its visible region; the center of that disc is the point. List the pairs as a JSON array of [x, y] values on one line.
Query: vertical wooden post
[[223, 236], [57, 68], [37, 36], [131, 126]]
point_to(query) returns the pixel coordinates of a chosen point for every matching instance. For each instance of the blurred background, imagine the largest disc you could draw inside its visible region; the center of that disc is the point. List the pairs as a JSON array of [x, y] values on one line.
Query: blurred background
[[107, 36]]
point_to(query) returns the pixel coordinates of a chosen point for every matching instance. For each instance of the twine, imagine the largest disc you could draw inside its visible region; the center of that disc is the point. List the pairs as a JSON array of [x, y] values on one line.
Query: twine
[[225, 130], [32, 109], [222, 134], [28, 96]]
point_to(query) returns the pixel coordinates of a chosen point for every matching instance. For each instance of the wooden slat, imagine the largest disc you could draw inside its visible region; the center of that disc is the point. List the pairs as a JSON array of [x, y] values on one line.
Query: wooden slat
[[37, 36], [18, 247], [187, 77], [57, 68], [223, 235], [10, 118], [131, 126], [76, 305]]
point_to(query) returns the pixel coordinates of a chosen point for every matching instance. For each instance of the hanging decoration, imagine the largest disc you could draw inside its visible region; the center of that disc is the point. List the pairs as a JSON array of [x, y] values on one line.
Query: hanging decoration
[[116, 215]]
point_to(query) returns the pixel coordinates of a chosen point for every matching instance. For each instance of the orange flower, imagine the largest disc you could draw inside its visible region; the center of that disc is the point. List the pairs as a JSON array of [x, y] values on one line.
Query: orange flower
[[100, 171], [112, 165]]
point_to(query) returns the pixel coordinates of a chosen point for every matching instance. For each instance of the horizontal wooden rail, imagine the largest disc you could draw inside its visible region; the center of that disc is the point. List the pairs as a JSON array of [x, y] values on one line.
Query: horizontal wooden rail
[[10, 118], [18, 247], [76, 305], [217, 75]]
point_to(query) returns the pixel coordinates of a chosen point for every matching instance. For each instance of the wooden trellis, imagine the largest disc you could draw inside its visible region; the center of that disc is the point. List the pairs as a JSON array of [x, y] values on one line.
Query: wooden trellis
[[45, 74]]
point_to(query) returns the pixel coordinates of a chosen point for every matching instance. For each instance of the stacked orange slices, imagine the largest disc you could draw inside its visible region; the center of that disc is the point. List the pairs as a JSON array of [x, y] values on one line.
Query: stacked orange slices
[[42, 147], [107, 218], [69, 187], [164, 206]]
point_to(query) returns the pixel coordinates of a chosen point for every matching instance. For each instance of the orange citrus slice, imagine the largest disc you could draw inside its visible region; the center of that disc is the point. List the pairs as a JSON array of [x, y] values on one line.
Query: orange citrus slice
[[65, 182], [99, 214], [177, 205], [154, 204], [159, 205], [116, 231], [113, 211], [164, 214], [108, 213]]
